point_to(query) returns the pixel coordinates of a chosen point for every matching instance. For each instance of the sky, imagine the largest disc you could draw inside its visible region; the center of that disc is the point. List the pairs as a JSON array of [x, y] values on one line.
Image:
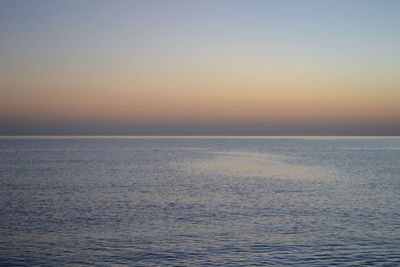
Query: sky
[[200, 67]]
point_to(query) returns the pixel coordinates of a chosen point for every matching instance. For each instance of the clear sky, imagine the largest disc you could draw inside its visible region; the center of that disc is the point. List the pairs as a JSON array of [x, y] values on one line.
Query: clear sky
[[200, 67]]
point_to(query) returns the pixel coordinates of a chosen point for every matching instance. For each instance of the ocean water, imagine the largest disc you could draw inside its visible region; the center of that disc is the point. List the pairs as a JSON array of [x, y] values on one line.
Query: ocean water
[[200, 201]]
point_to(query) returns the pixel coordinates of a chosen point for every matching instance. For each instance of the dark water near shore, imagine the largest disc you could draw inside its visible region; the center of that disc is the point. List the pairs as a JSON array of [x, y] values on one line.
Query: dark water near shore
[[200, 201]]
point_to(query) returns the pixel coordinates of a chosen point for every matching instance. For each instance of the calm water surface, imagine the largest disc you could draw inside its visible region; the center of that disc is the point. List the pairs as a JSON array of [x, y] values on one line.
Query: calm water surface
[[200, 201]]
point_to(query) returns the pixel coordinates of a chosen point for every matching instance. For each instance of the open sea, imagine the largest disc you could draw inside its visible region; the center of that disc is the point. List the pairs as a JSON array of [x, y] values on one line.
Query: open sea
[[191, 201]]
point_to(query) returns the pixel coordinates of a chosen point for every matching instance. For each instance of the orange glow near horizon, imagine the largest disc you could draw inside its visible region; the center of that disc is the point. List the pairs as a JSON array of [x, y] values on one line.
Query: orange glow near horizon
[[230, 97], [216, 104]]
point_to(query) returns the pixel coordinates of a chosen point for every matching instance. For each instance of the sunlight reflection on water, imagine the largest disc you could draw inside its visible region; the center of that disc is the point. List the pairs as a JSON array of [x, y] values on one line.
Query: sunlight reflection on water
[[271, 166]]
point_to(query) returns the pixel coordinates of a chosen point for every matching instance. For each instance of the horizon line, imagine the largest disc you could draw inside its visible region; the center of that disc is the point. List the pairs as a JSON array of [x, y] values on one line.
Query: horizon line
[[188, 136]]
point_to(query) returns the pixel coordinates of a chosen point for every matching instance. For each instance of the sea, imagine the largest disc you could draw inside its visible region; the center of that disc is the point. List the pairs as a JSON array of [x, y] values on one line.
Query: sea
[[200, 201]]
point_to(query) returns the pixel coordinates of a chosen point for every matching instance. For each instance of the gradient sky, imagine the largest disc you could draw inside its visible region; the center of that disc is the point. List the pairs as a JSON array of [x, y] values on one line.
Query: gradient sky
[[200, 67]]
